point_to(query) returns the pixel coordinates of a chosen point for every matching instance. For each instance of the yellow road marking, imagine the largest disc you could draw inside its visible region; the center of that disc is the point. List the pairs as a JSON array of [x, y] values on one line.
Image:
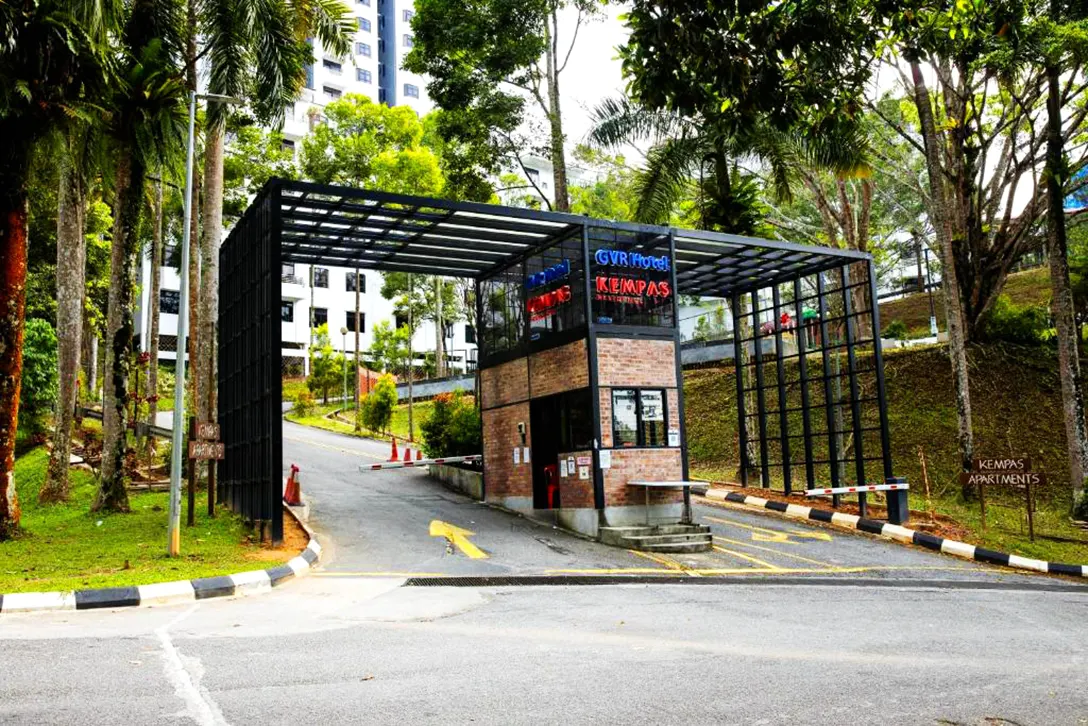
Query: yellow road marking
[[762, 534], [458, 537], [655, 558], [749, 545], [334, 448], [743, 556]]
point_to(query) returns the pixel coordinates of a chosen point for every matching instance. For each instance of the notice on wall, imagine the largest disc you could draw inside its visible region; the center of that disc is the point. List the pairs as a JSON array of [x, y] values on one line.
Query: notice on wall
[[570, 466], [517, 455], [525, 454], [605, 457], [583, 472], [563, 471], [585, 461], [674, 437]]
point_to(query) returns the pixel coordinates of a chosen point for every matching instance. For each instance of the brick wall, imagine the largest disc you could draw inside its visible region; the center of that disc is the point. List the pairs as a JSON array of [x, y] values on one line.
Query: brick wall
[[565, 368], [503, 384], [641, 465], [629, 362], [575, 492], [502, 478], [605, 395]]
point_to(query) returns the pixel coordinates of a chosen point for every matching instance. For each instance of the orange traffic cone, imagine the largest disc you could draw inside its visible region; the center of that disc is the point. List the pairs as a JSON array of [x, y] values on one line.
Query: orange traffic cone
[[407, 453], [419, 454], [293, 495], [394, 456]]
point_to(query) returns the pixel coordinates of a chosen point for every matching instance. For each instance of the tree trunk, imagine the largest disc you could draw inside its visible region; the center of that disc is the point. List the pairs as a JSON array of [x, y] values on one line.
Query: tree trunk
[[112, 495], [153, 297], [90, 357], [949, 285], [209, 282], [14, 161], [1061, 290], [555, 118], [71, 264]]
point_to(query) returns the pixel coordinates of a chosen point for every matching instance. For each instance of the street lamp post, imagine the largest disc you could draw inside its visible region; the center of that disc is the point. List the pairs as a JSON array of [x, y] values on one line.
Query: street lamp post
[[174, 524], [344, 360], [929, 288]]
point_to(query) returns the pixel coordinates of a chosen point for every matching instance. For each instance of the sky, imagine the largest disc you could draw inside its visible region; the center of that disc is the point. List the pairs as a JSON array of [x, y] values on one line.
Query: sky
[[593, 72]]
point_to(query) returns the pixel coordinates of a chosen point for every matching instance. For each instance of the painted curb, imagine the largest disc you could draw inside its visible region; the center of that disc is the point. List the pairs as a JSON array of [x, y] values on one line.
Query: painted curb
[[900, 534], [252, 582]]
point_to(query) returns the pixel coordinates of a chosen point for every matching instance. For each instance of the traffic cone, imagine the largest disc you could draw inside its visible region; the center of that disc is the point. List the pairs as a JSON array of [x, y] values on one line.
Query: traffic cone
[[394, 456], [419, 454], [293, 495], [407, 453]]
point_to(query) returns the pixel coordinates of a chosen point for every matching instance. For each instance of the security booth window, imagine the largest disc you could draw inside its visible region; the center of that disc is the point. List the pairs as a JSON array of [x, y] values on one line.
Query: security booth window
[[555, 289], [631, 278], [638, 417]]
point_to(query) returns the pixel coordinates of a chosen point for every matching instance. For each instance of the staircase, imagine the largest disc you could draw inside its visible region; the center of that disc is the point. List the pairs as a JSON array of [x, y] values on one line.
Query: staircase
[[666, 538]]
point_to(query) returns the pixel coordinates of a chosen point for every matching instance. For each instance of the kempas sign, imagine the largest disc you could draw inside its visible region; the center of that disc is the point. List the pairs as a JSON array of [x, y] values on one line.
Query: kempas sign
[[631, 278]]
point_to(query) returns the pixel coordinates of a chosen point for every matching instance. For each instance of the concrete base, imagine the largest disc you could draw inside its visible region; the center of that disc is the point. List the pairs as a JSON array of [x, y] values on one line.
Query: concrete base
[[636, 515], [517, 504], [582, 520], [467, 482]]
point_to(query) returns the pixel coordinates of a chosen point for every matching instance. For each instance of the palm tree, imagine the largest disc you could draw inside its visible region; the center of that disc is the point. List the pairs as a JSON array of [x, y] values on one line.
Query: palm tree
[[51, 50], [257, 49], [147, 126]]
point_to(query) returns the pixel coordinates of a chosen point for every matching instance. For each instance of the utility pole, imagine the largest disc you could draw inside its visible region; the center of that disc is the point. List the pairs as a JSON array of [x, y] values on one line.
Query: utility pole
[[358, 393]]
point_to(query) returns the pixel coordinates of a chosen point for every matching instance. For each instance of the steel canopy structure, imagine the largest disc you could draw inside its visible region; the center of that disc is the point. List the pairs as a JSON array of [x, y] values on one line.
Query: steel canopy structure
[[302, 222]]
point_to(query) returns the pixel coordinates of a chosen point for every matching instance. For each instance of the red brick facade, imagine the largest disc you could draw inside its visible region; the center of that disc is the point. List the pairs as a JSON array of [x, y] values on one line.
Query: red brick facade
[[643, 363], [565, 368], [641, 465], [502, 477], [503, 384], [574, 492]]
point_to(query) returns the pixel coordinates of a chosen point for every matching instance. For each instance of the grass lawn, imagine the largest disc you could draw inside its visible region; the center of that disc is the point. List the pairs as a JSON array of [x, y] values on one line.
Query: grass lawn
[[421, 410], [66, 547]]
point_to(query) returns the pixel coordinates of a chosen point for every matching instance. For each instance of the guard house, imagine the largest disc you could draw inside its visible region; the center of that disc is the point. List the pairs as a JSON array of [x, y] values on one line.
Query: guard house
[[580, 386]]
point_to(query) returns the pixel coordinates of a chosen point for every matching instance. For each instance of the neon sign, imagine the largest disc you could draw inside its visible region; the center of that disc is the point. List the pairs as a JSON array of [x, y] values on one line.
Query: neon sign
[[544, 306], [634, 260], [553, 273], [629, 290]]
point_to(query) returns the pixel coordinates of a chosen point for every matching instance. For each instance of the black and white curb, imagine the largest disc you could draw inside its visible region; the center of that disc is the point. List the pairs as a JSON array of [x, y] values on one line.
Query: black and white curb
[[900, 534], [253, 582]]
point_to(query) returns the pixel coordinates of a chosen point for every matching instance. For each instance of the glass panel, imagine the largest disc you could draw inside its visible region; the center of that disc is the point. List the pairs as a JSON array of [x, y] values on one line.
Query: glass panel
[[624, 418], [553, 289], [652, 418], [631, 278]]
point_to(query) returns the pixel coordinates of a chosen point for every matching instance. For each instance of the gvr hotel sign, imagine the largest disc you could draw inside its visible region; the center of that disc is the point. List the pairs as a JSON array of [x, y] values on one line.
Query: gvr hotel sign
[[619, 285]]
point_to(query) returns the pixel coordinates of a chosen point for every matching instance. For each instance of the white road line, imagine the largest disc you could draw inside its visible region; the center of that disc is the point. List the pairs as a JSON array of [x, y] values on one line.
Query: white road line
[[199, 705]]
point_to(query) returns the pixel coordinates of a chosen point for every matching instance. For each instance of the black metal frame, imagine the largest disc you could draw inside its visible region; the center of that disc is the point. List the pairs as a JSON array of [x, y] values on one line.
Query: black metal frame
[[302, 222]]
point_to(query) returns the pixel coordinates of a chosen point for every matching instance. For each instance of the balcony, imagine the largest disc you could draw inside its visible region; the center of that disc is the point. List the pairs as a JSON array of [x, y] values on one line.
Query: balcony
[[293, 287]]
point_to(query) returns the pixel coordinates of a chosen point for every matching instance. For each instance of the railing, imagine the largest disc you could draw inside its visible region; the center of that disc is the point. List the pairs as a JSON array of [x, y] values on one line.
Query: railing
[[291, 279]]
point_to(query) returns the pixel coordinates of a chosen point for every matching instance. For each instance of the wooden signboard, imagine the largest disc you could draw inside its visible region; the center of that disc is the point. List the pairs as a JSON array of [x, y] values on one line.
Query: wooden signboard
[[1013, 472], [207, 450], [207, 432]]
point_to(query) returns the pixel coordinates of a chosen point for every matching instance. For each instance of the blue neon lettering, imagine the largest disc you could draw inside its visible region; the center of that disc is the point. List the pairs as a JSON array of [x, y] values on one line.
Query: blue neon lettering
[[619, 258]]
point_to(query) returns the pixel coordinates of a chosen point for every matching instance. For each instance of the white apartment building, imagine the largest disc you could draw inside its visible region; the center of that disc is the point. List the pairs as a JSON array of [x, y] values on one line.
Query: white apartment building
[[382, 38]]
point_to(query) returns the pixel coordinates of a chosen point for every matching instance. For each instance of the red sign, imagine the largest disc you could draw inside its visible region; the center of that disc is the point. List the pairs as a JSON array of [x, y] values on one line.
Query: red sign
[[629, 290], [543, 306]]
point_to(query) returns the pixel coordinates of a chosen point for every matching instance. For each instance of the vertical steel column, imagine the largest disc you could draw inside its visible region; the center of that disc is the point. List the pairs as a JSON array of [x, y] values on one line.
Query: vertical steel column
[[761, 399], [274, 391], [742, 414], [783, 415], [802, 365], [480, 352], [855, 394], [898, 506], [829, 402], [594, 390], [679, 379]]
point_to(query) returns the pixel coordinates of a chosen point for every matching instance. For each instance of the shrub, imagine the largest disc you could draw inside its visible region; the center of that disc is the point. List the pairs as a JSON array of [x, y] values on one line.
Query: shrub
[[39, 392], [896, 329], [377, 407], [453, 428], [1012, 323], [304, 404]]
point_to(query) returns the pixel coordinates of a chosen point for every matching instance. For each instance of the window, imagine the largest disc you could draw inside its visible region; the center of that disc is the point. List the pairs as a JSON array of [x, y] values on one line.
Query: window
[[364, 24], [470, 334], [362, 49], [631, 278], [363, 2], [332, 66], [411, 91], [407, 40], [169, 301], [350, 324], [349, 282], [333, 93], [310, 75], [400, 321], [408, 15], [362, 74], [320, 316], [638, 417], [287, 311], [321, 277], [288, 144], [533, 174], [381, 95]]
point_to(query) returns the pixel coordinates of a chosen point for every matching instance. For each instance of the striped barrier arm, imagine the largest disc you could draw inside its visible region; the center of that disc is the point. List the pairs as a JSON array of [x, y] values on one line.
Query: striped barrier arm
[[420, 462], [855, 490]]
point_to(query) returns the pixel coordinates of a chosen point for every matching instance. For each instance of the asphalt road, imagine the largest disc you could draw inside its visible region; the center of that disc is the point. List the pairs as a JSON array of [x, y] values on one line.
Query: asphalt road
[[378, 524], [802, 626]]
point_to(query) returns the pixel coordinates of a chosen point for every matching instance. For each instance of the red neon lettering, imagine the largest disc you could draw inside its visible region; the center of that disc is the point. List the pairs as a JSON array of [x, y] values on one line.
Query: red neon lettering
[[602, 283], [642, 287]]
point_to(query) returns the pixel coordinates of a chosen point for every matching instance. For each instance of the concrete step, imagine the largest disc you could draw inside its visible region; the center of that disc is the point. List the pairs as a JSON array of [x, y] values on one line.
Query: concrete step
[[679, 548], [654, 539], [655, 529], [659, 538]]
